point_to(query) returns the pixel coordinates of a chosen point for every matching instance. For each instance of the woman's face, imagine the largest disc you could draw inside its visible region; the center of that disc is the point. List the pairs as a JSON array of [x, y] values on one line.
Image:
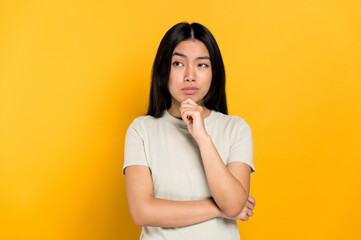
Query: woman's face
[[190, 73]]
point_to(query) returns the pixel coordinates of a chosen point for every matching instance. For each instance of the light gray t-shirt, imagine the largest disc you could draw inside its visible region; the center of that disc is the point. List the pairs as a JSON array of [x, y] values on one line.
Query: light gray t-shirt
[[165, 146]]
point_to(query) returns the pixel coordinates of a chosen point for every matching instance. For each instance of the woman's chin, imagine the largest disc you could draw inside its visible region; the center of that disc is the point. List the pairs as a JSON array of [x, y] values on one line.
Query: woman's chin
[[194, 98]]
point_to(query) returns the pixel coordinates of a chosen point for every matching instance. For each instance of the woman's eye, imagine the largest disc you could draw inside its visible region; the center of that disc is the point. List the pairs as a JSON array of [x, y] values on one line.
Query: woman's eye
[[177, 63], [203, 65]]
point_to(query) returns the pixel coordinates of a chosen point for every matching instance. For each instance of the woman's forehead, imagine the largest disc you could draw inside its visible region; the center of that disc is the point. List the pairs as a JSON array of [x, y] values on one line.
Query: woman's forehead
[[191, 48]]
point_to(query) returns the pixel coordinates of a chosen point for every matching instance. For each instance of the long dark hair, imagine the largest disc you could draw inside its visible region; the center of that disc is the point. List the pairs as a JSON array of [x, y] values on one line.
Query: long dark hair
[[160, 98]]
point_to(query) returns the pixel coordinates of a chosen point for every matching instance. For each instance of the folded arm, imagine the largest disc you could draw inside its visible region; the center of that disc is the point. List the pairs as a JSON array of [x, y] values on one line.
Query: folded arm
[[232, 191], [146, 210]]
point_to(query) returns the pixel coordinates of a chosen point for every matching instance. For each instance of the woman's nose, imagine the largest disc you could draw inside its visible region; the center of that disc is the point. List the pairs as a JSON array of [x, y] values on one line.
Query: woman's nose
[[189, 75]]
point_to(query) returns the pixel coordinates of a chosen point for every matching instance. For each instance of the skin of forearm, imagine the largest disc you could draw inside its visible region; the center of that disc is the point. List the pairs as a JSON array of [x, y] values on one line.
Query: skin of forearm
[[158, 212], [227, 191]]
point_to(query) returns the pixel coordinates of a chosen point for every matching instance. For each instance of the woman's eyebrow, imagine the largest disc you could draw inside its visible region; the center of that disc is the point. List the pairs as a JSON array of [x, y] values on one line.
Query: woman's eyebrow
[[182, 55]]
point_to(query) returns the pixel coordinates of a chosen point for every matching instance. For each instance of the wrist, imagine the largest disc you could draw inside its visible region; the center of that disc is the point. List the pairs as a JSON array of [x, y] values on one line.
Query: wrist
[[217, 210], [204, 138]]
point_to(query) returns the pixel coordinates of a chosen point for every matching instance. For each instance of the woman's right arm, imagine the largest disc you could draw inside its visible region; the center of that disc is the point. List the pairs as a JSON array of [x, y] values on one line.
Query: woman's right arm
[[146, 210]]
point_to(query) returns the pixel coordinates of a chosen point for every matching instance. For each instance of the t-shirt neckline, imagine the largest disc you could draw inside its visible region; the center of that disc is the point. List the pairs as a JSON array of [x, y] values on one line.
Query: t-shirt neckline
[[180, 123]]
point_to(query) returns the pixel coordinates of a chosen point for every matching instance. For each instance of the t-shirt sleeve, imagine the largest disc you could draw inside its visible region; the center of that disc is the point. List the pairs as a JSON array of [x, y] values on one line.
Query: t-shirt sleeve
[[134, 146], [242, 147]]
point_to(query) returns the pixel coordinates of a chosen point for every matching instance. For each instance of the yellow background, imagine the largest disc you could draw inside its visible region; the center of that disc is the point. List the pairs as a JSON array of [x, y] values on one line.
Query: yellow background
[[74, 74]]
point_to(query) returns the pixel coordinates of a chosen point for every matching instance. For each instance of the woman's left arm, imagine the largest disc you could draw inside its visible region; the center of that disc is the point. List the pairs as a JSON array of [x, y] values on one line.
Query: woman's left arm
[[229, 185]]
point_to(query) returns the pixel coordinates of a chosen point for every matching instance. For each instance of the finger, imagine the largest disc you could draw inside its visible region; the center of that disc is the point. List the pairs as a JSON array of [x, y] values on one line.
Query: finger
[[194, 112], [244, 217], [187, 103], [249, 213], [189, 114], [189, 106], [187, 100], [185, 113], [190, 101], [252, 200], [250, 205], [185, 119]]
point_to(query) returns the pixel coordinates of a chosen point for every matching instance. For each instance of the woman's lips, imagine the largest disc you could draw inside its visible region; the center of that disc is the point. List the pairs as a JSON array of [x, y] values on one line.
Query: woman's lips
[[190, 90]]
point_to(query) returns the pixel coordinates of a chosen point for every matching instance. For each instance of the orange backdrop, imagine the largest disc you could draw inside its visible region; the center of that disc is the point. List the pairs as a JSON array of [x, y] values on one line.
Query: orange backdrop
[[74, 74]]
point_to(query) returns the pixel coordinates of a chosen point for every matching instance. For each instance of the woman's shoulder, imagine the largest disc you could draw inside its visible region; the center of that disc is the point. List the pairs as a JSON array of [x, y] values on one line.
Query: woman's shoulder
[[143, 120], [233, 120], [232, 125]]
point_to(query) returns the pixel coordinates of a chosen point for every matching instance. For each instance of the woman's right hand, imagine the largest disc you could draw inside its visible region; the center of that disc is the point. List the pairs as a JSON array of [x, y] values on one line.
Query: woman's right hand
[[246, 212]]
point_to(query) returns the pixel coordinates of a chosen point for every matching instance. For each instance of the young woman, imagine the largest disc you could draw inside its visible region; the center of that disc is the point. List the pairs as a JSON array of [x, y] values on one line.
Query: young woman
[[188, 163]]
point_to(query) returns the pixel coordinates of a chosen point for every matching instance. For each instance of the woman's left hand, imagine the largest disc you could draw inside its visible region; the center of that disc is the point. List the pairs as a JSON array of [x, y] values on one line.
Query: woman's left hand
[[192, 115], [246, 212]]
